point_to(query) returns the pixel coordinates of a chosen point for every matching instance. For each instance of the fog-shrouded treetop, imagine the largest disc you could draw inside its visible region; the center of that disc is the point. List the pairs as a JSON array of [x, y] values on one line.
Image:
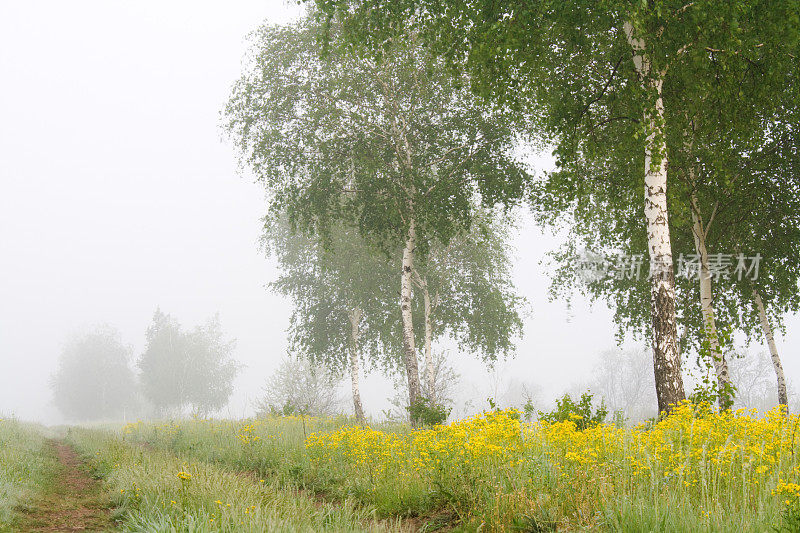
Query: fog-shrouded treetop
[[94, 380], [186, 369]]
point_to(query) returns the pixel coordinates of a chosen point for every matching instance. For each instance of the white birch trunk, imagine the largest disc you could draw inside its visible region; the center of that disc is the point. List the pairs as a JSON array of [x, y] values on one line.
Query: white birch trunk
[[783, 397], [409, 348], [355, 354], [707, 306], [430, 376], [666, 357]]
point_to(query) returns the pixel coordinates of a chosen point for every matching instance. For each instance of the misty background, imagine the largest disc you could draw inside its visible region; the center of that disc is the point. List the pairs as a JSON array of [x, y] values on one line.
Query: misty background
[[118, 195]]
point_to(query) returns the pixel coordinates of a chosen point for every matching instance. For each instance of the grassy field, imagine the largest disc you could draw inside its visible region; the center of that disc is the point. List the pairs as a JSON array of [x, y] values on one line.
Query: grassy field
[[694, 471], [25, 467]]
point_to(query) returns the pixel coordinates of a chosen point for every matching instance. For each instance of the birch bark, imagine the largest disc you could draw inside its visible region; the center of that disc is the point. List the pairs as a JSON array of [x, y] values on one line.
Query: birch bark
[[355, 355], [707, 306], [409, 348], [430, 374], [783, 397], [666, 358]]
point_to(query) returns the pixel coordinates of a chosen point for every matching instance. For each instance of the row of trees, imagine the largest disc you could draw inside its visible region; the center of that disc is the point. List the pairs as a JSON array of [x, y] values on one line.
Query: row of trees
[[178, 370], [629, 94], [392, 125], [383, 174]]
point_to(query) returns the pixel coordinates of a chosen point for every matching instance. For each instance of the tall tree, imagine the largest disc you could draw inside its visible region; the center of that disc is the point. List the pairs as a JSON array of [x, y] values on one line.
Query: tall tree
[[163, 365], [343, 298], [468, 295], [181, 369], [737, 191], [93, 380], [211, 369], [604, 81], [393, 142]]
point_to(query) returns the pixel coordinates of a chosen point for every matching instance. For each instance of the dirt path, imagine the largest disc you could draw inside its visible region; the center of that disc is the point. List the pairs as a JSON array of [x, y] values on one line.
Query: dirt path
[[73, 502]]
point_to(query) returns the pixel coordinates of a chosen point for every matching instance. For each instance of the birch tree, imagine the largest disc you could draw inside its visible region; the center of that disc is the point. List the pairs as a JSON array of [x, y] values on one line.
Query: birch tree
[[344, 296], [343, 316], [180, 369], [601, 81], [468, 295], [394, 143], [736, 191]]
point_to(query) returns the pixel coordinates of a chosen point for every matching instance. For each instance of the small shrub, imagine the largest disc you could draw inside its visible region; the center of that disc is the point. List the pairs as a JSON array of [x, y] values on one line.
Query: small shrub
[[581, 412], [425, 413]]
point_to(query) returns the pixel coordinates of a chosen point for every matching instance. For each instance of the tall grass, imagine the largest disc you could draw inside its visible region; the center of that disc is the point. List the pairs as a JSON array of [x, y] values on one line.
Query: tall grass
[[26, 467], [155, 490], [695, 471]]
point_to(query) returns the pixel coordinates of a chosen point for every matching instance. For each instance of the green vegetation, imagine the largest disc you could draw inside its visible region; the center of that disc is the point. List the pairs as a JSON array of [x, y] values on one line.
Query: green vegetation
[[26, 468], [155, 490], [696, 470]]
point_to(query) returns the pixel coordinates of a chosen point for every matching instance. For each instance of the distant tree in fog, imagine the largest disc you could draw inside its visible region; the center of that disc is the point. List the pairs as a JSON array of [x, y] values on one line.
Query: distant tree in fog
[[180, 370], [754, 377], [93, 380], [299, 386], [624, 379], [211, 370]]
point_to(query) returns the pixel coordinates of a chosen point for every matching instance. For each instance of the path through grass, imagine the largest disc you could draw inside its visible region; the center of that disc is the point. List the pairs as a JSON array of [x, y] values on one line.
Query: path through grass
[[70, 500]]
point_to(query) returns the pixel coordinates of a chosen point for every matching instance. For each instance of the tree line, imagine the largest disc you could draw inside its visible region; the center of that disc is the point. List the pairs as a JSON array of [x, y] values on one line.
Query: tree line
[[178, 370], [387, 135]]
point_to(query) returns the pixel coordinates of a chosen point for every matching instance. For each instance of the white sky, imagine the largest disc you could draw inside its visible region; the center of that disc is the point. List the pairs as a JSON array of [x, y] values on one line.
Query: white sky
[[117, 194]]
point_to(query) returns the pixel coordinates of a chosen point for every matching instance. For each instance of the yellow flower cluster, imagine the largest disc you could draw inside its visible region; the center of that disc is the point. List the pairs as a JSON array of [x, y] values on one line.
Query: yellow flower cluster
[[693, 447], [246, 435]]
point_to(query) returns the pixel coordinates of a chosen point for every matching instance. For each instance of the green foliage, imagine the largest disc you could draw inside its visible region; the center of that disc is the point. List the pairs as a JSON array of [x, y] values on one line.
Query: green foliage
[[328, 283], [790, 516], [529, 410], [582, 412], [730, 77], [27, 468], [181, 369], [380, 143], [709, 389], [425, 413], [470, 283]]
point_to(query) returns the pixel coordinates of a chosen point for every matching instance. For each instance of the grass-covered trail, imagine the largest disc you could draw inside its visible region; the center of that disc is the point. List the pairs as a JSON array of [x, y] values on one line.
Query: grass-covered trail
[[70, 500]]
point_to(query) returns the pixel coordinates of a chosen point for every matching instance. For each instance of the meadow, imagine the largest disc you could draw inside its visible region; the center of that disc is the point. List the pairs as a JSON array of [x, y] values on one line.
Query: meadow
[[696, 470]]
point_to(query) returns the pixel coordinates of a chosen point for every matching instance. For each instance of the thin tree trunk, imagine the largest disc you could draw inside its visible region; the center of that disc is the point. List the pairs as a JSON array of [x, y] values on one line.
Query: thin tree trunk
[[409, 349], [783, 397], [707, 307], [355, 354], [430, 376], [666, 357]]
